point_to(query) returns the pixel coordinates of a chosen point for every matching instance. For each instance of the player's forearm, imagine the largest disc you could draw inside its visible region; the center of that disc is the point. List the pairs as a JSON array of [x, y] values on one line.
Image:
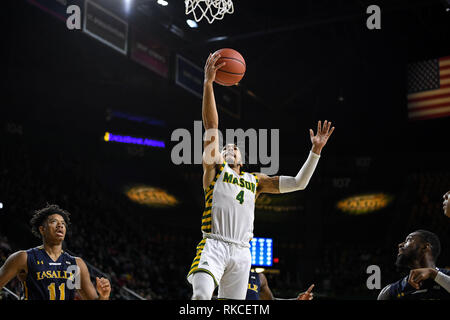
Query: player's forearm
[[301, 180], [209, 109]]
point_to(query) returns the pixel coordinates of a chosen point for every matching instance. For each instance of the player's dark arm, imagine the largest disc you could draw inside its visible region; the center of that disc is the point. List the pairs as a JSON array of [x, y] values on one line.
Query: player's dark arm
[[210, 118], [283, 184], [87, 290], [264, 293], [15, 264]]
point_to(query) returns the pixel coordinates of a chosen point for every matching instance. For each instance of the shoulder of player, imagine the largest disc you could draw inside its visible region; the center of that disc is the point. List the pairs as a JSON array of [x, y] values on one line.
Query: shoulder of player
[[20, 255], [18, 259], [260, 177], [385, 293], [393, 289], [262, 279], [79, 260]]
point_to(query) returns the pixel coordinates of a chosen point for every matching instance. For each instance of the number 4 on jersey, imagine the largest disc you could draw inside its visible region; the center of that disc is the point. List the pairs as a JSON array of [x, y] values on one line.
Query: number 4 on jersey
[[240, 197]]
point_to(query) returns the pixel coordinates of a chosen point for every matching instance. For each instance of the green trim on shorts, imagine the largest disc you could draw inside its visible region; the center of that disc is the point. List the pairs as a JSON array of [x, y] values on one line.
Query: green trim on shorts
[[204, 270]]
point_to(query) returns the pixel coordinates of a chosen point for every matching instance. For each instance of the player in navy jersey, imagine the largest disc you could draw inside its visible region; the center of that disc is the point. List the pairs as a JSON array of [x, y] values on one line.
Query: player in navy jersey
[[258, 289], [419, 253], [47, 272]]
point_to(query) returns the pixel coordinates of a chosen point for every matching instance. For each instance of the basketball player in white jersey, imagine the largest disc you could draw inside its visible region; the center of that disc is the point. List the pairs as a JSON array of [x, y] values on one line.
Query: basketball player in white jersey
[[223, 257]]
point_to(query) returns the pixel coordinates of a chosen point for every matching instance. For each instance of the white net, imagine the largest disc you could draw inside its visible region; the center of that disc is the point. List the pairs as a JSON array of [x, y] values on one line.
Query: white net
[[209, 9]]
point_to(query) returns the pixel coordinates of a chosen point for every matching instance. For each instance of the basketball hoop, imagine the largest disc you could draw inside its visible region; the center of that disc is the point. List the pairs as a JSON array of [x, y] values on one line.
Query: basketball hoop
[[209, 9]]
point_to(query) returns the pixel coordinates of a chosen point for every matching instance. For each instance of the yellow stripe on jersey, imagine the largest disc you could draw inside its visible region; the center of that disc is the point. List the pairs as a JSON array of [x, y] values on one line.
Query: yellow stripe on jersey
[[194, 266], [25, 289], [211, 186], [257, 180], [206, 217], [196, 261]]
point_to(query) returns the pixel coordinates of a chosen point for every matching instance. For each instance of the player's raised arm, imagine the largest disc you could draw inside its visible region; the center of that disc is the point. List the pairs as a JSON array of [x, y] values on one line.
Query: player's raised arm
[[16, 263], [283, 184], [211, 154]]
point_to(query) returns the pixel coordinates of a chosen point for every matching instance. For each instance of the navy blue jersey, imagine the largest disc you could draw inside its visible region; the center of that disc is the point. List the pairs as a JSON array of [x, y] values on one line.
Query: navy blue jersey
[[254, 286], [48, 279], [429, 290]]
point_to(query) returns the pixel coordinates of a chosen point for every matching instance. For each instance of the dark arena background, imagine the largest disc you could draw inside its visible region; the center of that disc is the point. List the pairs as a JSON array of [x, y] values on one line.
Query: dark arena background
[[136, 215]]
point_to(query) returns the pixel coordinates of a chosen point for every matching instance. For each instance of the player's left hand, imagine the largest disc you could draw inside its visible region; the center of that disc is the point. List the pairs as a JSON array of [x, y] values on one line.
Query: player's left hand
[[321, 137], [103, 287], [307, 295], [416, 276]]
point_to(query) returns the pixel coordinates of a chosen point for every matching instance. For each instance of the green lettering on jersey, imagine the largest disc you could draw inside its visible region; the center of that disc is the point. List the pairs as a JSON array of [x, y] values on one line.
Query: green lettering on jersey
[[227, 177]]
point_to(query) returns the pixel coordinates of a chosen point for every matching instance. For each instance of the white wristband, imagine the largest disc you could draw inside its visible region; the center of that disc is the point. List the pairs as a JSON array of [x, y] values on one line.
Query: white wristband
[[301, 180]]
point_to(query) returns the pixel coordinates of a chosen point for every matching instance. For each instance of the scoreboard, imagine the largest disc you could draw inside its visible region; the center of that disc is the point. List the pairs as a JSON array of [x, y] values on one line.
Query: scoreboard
[[262, 252]]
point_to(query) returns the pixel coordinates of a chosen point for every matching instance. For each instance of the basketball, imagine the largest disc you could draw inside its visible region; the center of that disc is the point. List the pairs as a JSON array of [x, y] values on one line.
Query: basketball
[[231, 73]]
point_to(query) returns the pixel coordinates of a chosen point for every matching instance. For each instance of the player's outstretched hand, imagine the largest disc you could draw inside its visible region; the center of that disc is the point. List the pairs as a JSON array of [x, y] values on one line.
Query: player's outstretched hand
[[319, 139], [103, 288], [307, 295], [416, 276], [211, 68]]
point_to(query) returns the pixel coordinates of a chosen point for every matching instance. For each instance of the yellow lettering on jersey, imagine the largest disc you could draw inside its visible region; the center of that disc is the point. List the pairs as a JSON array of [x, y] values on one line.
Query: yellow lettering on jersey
[[53, 275], [253, 287]]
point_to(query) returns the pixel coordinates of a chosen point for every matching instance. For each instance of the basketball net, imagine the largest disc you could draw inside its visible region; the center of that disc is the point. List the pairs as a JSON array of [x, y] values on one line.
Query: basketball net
[[209, 9]]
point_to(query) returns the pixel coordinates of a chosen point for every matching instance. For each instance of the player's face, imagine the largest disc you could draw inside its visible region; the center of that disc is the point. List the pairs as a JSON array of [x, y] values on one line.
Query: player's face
[[54, 228], [446, 204], [408, 250], [232, 154]]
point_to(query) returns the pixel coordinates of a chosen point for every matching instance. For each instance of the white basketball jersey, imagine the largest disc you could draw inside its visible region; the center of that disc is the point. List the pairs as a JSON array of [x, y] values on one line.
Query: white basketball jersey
[[230, 206]]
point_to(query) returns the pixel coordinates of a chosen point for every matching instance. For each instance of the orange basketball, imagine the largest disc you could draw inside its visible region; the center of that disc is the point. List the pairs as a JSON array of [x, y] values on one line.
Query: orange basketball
[[231, 73]]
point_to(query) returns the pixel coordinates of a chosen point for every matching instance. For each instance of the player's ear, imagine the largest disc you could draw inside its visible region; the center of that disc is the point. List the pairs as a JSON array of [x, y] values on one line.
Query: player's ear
[[426, 247], [41, 230]]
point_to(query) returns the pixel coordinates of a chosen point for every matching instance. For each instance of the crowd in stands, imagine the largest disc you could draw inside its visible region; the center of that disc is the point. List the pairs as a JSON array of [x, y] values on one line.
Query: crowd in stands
[[14, 285], [121, 240], [108, 232]]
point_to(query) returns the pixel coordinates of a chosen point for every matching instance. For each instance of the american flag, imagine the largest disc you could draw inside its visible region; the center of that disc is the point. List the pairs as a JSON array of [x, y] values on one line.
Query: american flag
[[429, 89]]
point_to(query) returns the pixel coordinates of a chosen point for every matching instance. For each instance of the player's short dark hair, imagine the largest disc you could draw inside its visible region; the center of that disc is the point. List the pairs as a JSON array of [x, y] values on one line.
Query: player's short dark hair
[[40, 216], [433, 240]]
